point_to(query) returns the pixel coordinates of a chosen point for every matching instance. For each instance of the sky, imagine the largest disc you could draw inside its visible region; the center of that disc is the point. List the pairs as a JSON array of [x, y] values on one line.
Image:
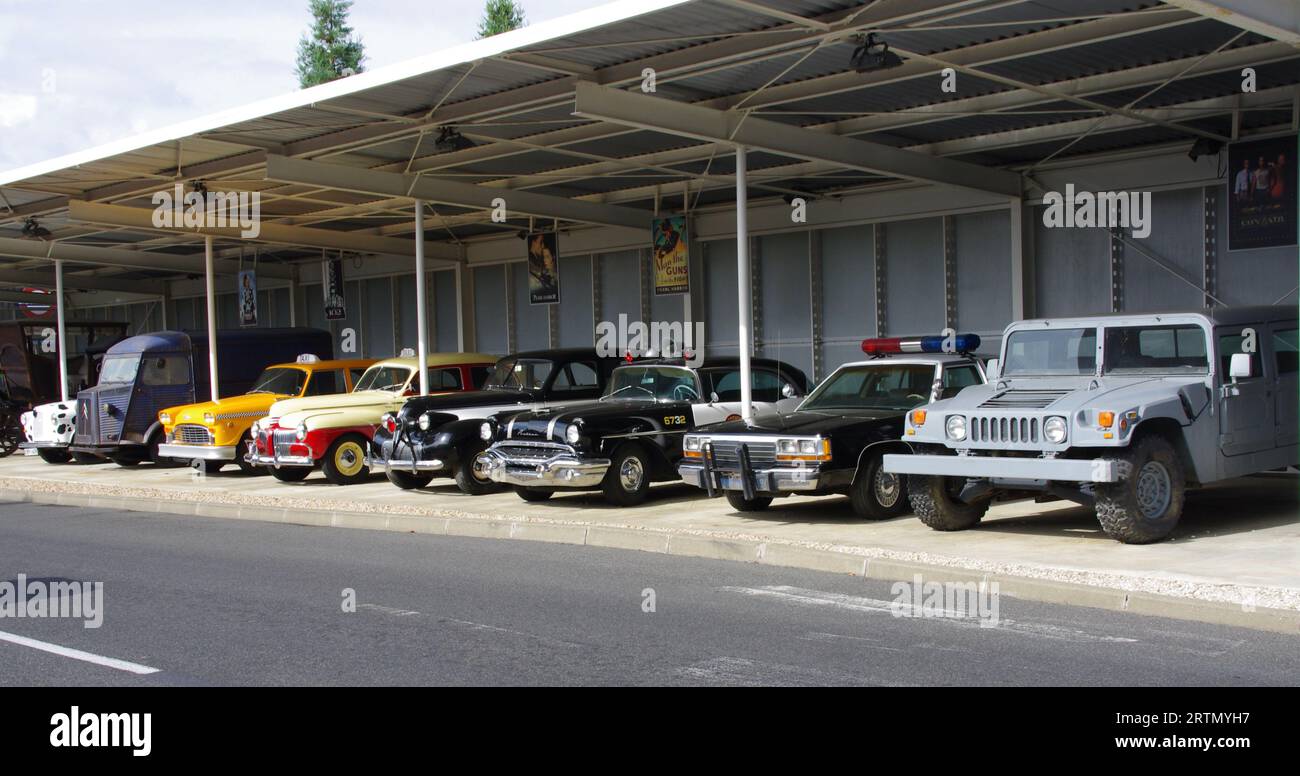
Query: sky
[[79, 73]]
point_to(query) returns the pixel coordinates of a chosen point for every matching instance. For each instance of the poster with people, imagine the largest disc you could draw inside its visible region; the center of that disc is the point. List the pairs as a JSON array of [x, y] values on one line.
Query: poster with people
[[543, 268], [1262, 193], [247, 298], [672, 256], [336, 308]]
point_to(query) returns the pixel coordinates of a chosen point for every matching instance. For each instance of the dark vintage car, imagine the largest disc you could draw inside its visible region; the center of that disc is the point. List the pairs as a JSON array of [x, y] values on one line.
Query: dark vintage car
[[832, 444], [631, 436], [439, 436]]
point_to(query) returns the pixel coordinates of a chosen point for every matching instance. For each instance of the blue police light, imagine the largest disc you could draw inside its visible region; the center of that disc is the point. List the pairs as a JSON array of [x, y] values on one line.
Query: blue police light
[[962, 343]]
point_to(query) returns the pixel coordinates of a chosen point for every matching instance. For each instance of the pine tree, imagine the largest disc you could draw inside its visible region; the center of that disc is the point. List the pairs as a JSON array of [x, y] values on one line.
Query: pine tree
[[500, 16], [331, 51]]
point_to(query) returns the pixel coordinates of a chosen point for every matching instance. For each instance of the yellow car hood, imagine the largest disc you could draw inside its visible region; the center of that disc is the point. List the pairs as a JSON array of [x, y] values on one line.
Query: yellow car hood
[[234, 405], [291, 412]]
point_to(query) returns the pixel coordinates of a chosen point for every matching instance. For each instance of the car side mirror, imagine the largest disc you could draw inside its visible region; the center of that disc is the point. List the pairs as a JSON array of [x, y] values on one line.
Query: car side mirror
[[1239, 366], [787, 391], [992, 368], [713, 397]]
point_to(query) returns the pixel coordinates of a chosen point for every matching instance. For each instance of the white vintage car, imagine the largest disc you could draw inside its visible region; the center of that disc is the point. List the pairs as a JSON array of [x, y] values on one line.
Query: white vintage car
[[49, 429]]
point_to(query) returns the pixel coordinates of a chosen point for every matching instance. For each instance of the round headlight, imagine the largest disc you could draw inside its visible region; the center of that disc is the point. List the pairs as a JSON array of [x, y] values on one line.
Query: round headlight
[[209, 418], [956, 427], [572, 434], [1054, 429], [485, 431], [165, 418], [425, 422], [301, 432]]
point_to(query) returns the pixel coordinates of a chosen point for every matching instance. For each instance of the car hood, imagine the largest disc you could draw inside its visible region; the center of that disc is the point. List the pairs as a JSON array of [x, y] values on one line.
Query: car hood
[[234, 405], [448, 402], [805, 422], [534, 424], [1041, 395]]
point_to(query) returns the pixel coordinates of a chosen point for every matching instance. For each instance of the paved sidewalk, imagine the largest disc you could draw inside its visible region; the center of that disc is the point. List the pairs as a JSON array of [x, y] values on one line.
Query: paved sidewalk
[[1236, 554]]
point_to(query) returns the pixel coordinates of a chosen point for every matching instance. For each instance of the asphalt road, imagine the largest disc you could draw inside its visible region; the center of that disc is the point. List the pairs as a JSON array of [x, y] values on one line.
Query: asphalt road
[[214, 602]]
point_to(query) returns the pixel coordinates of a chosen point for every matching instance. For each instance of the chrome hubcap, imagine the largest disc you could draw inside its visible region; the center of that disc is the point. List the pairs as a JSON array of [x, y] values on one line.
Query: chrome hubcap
[[1154, 490], [887, 488], [630, 474]]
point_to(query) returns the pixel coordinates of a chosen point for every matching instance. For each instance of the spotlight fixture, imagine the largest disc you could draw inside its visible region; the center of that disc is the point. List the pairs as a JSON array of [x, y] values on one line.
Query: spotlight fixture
[[199, 187], [34, 231], [1205, 146], [872, 54], [450, 139]]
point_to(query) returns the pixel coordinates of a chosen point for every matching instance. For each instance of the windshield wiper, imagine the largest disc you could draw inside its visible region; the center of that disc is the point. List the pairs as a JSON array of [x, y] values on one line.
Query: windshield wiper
[[617, 391]]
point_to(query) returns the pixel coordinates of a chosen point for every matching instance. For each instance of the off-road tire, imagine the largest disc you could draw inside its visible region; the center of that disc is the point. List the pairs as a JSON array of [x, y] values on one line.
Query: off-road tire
[[871, 499], [1120, 504], [627, 483], [533, 494], [290, 473], [340, 464], [739, 503], [53, 454], [938, 508], [407, 480]]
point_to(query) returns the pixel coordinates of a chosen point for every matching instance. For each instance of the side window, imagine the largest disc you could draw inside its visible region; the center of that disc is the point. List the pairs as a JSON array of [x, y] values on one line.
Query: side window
[[957, 377], [444, 380], [766, 385], [726, 384], [1230, 343], [165, 370], [323, 383], [479, 375], [1286, 349], [576, 375]]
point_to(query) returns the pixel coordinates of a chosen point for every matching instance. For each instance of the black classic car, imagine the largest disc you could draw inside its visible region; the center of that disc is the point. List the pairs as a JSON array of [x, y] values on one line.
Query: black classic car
[[438, 436], [833, 442], [632, 436]]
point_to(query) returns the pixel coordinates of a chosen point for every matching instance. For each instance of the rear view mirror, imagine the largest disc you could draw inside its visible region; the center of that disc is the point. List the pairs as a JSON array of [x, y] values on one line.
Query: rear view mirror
[[992, 368], [1239, 366]]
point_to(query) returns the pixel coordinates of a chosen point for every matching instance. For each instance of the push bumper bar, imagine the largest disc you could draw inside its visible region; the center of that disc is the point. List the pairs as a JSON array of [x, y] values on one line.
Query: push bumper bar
[[985, 467]]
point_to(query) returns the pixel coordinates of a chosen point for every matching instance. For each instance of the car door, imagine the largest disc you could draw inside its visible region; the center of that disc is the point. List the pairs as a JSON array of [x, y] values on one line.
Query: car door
[[1286, 353], [575, 381], [1246, 417], [724, 383]]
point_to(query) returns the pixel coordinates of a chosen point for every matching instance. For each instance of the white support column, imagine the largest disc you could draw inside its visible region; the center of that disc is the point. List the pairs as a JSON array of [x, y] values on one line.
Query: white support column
[[743, 290], [421, 322], [211, 283], [61, 317]]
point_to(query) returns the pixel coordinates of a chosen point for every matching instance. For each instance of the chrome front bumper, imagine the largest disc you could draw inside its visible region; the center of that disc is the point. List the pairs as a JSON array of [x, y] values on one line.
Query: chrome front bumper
[[998, 469], [562, 470], [199, 452], [257, 459], [777, 480], [44, 445], [412, 466]]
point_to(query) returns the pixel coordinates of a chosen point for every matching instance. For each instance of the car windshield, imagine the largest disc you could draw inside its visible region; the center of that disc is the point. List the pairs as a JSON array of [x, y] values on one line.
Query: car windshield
[[1051, 352], [383, 378], [519, 373], [281, 381], [884, 387], [1161, 349], [652, 383], [119, 369]]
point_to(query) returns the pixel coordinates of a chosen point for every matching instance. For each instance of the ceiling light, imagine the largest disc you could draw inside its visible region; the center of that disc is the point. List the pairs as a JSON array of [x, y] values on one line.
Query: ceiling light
[[1205, 146], [450, 139], [34, 231], [872, 54]]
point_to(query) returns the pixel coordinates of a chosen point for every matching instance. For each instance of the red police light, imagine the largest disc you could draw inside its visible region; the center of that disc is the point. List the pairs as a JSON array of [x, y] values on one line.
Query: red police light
[[882, 346]]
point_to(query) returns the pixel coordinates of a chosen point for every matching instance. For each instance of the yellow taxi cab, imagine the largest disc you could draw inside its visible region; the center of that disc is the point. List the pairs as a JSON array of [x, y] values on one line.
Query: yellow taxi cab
[[216, 432]]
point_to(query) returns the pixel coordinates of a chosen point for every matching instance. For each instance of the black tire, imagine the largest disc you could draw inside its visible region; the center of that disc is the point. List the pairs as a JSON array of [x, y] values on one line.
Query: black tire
[[86, 458], [125, 461], [11, 435], [344, 462], [934, 500], [54, 454], [246, 468], [470, 483], [408, 481], [739, 503], [877, 494], [627, 483], [533, 494], [152, 454], [290, 473], [1146, 503]]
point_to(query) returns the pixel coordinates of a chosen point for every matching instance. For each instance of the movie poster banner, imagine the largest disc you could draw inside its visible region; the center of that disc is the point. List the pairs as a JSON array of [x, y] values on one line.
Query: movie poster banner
[[672, 256], [543, 268], [336, 307], [1262, 193], [247, 298]]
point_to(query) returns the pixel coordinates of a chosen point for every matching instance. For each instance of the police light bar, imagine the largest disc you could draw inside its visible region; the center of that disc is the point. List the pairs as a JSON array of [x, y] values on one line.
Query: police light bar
[[962, 343]]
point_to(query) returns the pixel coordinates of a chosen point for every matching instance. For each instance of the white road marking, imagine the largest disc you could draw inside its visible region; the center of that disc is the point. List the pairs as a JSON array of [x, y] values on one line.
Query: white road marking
[[806, 597], [387, 610], [76, 654]]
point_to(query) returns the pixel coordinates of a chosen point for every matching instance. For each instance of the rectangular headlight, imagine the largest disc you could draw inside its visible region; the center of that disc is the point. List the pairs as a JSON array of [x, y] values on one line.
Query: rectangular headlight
[[803, 449]]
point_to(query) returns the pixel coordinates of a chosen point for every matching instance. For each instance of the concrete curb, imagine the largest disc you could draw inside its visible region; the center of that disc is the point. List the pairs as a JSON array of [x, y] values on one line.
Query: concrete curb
[[670, 542]]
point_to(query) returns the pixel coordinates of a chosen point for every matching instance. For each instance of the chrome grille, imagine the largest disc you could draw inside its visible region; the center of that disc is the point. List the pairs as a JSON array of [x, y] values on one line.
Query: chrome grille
[[529, 455], [726, 453], [282, 440], [1022, 398], [193, 435], [1004, 430]]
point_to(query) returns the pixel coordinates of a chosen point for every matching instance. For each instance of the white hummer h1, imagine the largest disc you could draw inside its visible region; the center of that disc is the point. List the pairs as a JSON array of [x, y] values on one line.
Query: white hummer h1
[[1120, 412]]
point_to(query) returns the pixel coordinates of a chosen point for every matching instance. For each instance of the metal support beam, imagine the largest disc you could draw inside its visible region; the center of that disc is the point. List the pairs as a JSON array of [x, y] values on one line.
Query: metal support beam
[[60, 308], [746, 324], [1210, 202], [421, 314], [701, 123], [1116, 271], [390, 184], [1020, 308], [878, 254], [1277, 19], [25, 297], [950, 272], [279, 234], [210, 287], [43, 279], [125, 258]]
